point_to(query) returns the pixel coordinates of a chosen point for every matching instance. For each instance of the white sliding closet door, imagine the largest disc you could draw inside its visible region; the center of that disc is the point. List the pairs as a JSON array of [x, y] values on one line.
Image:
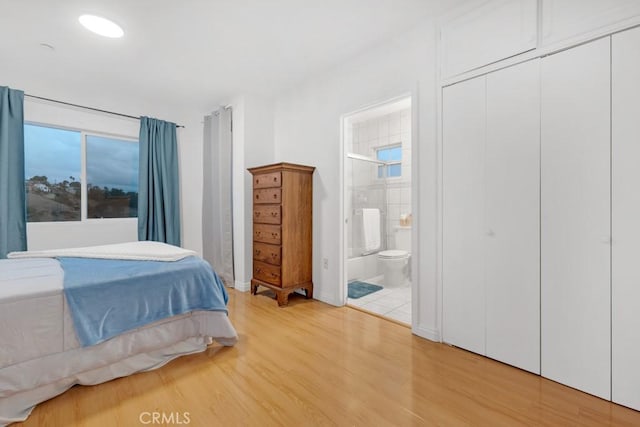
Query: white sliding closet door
[[625, 292], [463, 214], [575, 226], [513, 216]]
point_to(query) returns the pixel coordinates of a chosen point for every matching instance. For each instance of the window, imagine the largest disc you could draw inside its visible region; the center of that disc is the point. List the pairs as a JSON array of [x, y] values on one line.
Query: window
[[74, 175], [112, 178], [52, 173], [392, 155]]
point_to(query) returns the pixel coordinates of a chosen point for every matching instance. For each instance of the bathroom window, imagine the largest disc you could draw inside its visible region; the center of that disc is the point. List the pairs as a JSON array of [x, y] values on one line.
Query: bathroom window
[[392, 155]]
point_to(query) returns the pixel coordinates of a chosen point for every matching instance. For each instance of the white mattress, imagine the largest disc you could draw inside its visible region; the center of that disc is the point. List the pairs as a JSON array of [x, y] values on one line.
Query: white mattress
[[40, 356], [31, 309]]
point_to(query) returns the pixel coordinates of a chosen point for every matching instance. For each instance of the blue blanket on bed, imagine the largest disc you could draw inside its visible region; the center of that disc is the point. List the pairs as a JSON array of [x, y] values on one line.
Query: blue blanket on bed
[[108, 297]]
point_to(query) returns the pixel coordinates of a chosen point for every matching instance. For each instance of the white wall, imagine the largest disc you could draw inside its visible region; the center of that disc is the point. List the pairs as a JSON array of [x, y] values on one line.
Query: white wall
[[307, 131], [252, 146], [191, 176]]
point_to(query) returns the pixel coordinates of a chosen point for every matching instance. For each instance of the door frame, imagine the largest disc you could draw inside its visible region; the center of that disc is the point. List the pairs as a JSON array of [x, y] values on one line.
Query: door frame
[[415, 184]]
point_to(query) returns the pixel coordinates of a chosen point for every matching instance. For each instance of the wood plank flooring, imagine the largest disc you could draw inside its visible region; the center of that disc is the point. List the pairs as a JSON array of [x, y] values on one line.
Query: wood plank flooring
[[311, 364]]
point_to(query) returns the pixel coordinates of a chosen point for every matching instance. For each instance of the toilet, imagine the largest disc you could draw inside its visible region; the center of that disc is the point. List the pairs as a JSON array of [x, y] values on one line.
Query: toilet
[[395, 262]]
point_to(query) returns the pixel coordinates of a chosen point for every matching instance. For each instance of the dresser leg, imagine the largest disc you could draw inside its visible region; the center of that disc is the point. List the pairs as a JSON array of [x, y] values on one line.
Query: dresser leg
[[254, 289], [308, 293], [283, 298]]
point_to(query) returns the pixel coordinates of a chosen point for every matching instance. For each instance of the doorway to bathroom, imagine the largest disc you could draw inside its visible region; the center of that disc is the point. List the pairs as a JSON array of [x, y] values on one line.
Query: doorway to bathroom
[[377, 209]]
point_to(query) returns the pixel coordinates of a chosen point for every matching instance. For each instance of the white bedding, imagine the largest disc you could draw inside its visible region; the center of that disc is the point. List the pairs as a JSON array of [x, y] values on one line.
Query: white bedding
[[40, 356], [31, 309], [147, 250]]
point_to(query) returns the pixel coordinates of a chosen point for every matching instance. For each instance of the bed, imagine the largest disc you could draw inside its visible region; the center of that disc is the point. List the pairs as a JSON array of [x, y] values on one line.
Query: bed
[[44, 350]]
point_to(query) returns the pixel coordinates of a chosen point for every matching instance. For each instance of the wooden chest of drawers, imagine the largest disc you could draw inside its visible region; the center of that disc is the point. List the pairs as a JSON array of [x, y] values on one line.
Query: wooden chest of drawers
[[282, 229]]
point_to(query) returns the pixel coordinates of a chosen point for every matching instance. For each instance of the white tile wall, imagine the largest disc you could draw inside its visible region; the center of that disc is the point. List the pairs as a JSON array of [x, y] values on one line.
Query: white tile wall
[[405, 121], [394, 123], [393, 196], [383, 126], [405, 197], [349, 138], [386, 130]]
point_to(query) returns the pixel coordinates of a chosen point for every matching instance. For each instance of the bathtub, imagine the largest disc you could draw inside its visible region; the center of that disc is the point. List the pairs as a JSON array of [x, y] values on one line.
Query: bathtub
[[363, 267]]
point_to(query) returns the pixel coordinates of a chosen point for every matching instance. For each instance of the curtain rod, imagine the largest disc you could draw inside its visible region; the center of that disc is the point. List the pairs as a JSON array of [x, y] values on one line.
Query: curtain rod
[[88, 108]]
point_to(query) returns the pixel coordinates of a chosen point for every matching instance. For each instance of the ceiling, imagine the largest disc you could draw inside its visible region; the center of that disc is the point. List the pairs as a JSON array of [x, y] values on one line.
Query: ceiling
[[190, 53]]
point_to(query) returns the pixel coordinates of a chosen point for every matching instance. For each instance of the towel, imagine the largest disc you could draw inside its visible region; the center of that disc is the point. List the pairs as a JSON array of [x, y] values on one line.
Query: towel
[[371, 229]]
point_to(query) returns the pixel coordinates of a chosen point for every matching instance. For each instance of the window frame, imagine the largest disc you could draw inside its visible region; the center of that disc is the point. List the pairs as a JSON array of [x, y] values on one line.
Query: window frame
[[84, 206], [388, 163]]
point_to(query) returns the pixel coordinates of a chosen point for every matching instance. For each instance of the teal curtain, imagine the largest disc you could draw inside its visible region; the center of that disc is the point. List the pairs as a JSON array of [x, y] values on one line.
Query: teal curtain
[[159, 193], [13, 209]]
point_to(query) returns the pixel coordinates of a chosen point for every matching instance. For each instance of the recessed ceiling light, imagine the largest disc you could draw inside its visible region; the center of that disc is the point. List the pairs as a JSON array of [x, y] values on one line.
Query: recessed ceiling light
[[101, 26]]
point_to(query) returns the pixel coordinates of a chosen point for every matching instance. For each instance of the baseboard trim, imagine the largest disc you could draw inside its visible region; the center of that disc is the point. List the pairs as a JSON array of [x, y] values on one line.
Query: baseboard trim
[[428, 333], [242, 286], [331, 300]]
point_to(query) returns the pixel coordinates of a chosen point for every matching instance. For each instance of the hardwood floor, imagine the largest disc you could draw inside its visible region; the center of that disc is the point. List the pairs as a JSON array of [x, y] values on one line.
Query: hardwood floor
[[313, 364]]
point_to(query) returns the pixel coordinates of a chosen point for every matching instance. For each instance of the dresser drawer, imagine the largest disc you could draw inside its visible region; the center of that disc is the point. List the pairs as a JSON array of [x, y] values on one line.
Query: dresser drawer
[[267, 180], [267, 253], [267, 214], [268, 195], [267, 233], [266, 273]]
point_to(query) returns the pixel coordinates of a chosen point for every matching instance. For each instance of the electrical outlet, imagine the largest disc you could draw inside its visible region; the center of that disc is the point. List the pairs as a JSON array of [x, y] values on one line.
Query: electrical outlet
[[325, 263]]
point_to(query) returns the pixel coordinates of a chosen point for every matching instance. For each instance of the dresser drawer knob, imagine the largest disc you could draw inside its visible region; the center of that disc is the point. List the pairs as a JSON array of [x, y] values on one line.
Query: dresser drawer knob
[[257, 213], [258, 233], [274, 235], [275, 196], [275, 178], [258, 251], [257, 196], [274, 214], [258, 270]]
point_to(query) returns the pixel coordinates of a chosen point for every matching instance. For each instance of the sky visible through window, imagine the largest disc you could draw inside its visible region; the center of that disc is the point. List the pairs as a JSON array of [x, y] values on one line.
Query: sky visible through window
[[51, 152], [112, 163], [392, 155]]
